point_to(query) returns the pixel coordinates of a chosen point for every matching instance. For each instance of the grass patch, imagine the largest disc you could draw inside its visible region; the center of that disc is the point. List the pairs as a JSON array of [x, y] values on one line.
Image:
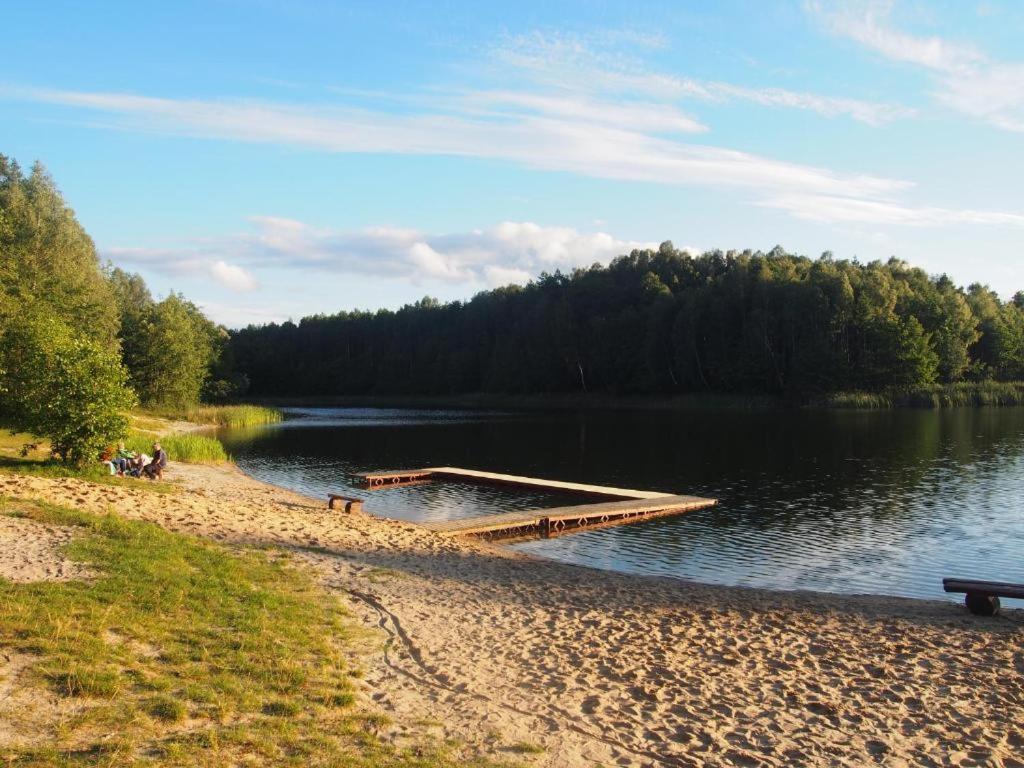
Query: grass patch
[[233, 415], [189, 448], [182, 653], [165, 708], [37, 462]]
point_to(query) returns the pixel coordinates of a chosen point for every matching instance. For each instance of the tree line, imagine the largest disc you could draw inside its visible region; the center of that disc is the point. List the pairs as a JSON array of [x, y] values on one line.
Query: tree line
[[82, 343], [658, 322]]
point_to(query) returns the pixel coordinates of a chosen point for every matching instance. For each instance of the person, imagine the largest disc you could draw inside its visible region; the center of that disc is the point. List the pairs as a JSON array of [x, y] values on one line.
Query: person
[[155, 469], [136, 465], [107, 459], [122, 458]]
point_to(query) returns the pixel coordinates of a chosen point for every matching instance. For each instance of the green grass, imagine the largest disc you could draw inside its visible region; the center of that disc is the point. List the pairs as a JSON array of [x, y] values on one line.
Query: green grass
[[37, 462], [963, 394], [233, 415], [190, 448], [182, 653]]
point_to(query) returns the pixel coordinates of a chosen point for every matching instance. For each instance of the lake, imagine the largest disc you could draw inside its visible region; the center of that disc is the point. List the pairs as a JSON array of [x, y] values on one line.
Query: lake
[[882, 502]]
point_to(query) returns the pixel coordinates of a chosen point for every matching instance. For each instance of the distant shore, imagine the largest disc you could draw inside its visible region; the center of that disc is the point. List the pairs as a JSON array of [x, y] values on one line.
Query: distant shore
[[981, 394]]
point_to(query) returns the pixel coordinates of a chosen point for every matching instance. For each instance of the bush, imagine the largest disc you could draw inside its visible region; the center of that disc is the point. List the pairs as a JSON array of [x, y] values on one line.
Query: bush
[[59, 385]]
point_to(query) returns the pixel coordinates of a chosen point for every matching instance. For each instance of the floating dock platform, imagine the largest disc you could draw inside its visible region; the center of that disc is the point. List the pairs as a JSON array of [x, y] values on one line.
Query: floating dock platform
[[629, 506]]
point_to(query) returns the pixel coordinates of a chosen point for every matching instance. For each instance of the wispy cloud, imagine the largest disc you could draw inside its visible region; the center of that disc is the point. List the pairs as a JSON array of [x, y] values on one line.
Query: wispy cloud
[[832, 209], [510, 252], [578, 64], [545, 136], [568, 104], [965, 78]]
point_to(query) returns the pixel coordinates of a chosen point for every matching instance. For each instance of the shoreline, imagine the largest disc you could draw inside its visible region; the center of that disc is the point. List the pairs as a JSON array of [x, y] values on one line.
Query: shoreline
[[654, 578], [942, 397], [495, 648]]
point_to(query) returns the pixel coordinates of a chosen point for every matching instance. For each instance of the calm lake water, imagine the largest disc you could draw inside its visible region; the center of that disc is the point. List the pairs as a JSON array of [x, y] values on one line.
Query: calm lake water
[[883, 502]]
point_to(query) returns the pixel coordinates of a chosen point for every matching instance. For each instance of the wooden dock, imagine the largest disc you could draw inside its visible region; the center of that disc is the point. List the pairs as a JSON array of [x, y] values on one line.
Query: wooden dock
[[377, 480], [630, 505], [558, 520]]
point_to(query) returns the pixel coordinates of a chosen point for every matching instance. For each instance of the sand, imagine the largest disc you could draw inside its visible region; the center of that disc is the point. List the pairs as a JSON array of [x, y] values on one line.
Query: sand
[[513, 654], [33, 551]]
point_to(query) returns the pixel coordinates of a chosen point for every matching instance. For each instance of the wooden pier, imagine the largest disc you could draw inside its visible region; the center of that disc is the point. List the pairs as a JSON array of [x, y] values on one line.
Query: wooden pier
[[558, 520], [379, 480], [630, 505]]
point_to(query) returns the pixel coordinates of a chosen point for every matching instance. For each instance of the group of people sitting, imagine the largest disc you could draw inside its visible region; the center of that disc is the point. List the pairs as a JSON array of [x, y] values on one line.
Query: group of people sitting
[[127, 463]]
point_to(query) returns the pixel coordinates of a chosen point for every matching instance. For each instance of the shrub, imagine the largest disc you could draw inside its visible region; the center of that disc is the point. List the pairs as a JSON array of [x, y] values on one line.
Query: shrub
[[63, 386]]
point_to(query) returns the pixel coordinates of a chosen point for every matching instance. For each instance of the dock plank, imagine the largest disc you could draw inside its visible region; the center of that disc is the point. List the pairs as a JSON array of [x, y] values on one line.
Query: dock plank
[[578, 516], [475, 475]]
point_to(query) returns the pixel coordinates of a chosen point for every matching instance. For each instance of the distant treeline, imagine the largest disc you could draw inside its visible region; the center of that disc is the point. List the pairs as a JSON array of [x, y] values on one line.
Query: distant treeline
[[658, 322]]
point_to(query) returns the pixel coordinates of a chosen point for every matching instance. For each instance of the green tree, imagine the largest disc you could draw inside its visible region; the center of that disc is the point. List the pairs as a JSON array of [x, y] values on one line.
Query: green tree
[[64, 386], [135, 308], [177, 347], [47, 259]]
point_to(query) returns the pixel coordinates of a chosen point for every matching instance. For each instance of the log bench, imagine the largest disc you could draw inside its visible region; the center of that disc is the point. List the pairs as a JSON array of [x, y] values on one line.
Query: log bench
[[352, 505], [982, 597]]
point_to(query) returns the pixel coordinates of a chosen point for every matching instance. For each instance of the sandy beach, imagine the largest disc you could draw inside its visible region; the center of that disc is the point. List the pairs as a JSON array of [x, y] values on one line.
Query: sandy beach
[[558, 665]]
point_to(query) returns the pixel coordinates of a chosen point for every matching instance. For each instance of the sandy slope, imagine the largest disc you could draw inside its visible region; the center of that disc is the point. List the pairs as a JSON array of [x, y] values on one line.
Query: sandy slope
[[598, 668], [31, 551]]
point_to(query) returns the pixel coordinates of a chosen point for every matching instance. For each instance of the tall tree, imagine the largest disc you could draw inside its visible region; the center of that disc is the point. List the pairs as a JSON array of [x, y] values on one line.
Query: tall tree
[[47, 259], [177, 346]]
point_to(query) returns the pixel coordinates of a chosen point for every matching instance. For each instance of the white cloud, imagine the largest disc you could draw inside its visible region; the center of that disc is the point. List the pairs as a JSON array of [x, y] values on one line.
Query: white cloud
[[635, 115], [576, 107], [187, 263], [511, 252], [549, 141], [831, 209], [576, 65], [232, 276], [966, 79]]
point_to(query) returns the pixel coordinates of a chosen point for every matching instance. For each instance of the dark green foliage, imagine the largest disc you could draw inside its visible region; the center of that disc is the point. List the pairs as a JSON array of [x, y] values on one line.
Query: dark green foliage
[[658, 322]]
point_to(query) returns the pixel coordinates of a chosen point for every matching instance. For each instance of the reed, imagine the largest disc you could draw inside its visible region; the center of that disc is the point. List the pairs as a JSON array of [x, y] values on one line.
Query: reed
[[233, 415], [961, 395], [187, 448]]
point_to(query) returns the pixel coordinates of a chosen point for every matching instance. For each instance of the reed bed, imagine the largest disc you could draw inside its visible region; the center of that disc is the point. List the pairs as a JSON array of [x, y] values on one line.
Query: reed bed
[[233, 415], [187, 448], [963, 394]]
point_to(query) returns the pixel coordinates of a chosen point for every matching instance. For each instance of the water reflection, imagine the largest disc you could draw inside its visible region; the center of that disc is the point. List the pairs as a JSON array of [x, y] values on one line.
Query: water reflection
[[885, 502]]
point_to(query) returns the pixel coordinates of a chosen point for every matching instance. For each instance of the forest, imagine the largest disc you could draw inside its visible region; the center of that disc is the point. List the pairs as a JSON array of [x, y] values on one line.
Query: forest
[[659, 322]]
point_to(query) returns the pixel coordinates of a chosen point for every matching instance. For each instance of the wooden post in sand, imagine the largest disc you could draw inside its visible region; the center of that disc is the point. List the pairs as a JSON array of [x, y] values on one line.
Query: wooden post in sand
[[352, 505]]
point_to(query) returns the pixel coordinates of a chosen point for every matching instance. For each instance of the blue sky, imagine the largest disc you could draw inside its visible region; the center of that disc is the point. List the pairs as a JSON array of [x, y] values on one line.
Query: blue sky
[[276, 159]]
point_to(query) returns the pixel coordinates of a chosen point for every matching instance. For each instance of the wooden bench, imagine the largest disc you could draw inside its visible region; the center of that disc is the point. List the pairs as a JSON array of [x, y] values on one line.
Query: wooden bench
[[352, 505], [982, 597]]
